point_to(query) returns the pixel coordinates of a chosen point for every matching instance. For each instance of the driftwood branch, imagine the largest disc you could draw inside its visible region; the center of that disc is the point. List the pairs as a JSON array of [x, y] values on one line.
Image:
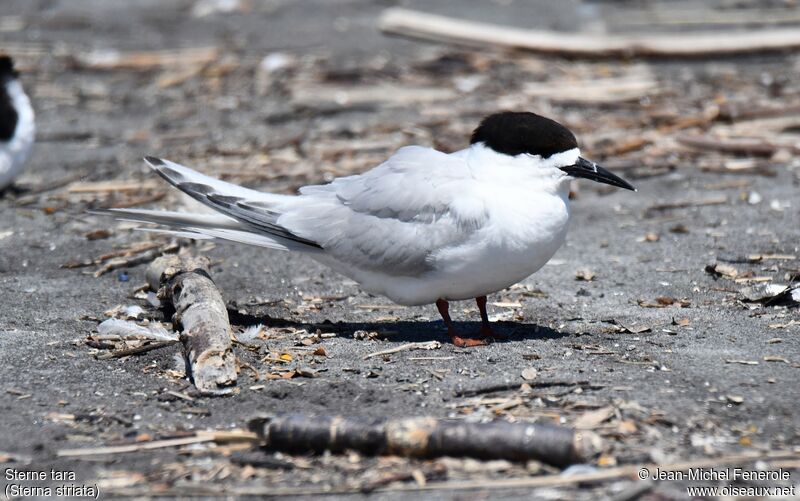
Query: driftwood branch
[[427, 437], [739, 146], [445, 29], [201, 314], [145, 60]]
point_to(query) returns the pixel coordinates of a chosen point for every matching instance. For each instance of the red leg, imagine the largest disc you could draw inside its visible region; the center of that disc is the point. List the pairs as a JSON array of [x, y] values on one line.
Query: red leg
[[486, 327], [444, 311]]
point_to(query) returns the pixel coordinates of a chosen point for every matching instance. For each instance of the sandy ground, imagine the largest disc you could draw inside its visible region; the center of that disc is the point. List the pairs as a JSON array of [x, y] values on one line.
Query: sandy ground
[[703, 377]]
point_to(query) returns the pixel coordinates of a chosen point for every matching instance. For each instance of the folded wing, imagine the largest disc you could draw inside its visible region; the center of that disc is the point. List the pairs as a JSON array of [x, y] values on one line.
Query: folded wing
[[394, 218]]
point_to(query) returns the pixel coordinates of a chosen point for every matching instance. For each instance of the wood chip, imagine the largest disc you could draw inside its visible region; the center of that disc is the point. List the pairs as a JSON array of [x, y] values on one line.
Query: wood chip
[[592, 419], [507, 304], [722, 270], [766, 257], [775, 359], [742, 362]]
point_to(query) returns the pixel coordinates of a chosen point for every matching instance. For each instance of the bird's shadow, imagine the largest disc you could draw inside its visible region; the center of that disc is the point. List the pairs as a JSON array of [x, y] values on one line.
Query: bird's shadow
[[13, 191], [404, 331]]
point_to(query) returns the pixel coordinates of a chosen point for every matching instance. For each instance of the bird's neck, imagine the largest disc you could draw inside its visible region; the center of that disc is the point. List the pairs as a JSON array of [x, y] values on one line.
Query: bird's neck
[[22, 105]]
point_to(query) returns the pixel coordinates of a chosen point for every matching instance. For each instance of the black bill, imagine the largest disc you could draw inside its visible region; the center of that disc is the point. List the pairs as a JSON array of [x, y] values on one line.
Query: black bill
[[590, 170]]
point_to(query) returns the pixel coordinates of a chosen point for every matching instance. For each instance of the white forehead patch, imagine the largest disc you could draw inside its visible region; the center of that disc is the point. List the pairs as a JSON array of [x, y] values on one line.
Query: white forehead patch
[[563, 159]]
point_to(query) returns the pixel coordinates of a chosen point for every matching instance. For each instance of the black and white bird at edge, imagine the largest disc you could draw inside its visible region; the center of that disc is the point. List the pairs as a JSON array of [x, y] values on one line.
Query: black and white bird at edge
[[422, 227], [17, 127]]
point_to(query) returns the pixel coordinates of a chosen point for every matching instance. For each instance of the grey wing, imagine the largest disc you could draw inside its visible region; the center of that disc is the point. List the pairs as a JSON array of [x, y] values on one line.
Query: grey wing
[[394, 218]]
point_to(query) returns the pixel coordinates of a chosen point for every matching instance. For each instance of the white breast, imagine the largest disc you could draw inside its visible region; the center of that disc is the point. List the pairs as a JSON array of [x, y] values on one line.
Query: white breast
[[526, 227], [14, 153]]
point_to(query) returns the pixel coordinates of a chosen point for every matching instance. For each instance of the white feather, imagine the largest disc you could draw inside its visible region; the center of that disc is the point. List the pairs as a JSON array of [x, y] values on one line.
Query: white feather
[[14, 153], [127, 329], [191, 176]]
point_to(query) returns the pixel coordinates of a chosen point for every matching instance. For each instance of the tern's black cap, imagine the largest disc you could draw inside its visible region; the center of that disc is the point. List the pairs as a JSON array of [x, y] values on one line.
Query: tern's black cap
[[8, 115], [7, 67], [512, 133]]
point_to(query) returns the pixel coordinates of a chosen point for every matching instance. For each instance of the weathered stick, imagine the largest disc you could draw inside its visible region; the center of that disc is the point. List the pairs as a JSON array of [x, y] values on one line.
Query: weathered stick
[[683, 204], [740, 146], [201, 313], [145, 60], [749, 111], [427, 437], [515, 385], [129, 262], [441, 28], [112, 186], [220, 437], [425, 345]]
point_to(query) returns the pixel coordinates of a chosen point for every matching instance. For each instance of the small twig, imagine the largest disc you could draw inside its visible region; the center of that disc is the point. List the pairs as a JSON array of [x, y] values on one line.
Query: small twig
[[741, 146], [121, 449], [427, 345], [112, 186], [30, 191], [145, 60], [130, 262], [199, 438], [146, 199], [182, 396], [138, 350], [127, 252], [758, 168], [683, 204], [256, 374], [493, 388]]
